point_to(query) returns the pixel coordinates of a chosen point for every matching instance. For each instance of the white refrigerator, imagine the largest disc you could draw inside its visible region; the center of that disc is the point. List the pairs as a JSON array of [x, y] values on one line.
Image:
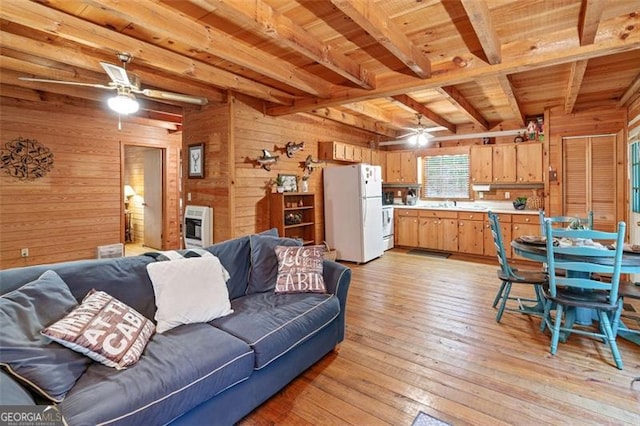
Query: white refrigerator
[[353, 211]]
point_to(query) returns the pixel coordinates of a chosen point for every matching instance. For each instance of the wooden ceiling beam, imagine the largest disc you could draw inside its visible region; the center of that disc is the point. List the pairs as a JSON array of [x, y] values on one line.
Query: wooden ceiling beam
[[262, 19], [336, 115], [517, 56], [215, 42], [454, 96], [370, 17], [573, 87], [377, 114], [589, 20], [631, 92], [56, 23], [480, 18], [426, 112], [512, 99]]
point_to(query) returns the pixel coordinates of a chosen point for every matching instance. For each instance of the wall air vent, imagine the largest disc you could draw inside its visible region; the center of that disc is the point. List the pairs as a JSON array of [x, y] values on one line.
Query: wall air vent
[[110, 251]]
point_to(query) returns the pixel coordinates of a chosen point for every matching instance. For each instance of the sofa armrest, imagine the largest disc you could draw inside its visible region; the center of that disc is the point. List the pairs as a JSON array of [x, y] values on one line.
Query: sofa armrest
[[12, 393], [337, 279]]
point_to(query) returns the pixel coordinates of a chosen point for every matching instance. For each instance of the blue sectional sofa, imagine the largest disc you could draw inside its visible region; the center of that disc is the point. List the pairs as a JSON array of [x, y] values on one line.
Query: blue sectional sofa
[[204, 373]]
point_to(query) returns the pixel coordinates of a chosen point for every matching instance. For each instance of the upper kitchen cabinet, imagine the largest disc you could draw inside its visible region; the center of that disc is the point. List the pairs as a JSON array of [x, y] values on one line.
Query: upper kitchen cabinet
[[507, 163], [333, 150], [402, 167], [529, 162]]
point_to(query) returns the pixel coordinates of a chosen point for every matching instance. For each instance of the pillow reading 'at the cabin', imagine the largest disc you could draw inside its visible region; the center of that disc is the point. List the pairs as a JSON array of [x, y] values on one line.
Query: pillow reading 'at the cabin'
[[104, 329], [300, 269]]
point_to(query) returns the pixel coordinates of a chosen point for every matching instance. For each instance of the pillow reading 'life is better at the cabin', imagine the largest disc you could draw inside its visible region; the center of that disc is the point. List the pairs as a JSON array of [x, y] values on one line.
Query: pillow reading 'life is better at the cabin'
[[300, 269]]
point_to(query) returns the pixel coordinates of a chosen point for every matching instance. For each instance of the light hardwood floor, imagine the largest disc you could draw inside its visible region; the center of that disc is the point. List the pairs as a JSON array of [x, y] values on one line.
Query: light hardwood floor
[[421, 335]]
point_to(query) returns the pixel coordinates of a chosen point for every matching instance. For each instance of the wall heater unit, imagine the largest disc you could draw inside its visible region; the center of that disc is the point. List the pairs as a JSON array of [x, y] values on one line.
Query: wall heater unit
[[198, 226], [110, 251]]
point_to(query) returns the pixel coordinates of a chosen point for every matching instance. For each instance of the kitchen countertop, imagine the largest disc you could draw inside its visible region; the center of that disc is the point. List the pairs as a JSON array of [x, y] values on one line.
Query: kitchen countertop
[[468, 207]]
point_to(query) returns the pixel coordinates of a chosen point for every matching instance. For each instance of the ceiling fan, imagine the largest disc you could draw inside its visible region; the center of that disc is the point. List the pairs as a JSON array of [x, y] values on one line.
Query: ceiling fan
[[126, 87], [420, 135]]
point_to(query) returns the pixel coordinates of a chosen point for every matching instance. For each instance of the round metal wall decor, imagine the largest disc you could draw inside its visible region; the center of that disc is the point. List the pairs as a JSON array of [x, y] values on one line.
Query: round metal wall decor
[[26, 159]]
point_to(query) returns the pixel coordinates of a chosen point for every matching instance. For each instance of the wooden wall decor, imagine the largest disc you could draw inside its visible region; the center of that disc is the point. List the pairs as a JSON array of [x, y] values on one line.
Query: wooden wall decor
[[26, 159], [310, 164]]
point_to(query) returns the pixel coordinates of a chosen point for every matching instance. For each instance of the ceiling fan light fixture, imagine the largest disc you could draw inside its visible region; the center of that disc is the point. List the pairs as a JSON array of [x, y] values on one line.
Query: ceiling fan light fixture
[[124, 103], [422, 139]]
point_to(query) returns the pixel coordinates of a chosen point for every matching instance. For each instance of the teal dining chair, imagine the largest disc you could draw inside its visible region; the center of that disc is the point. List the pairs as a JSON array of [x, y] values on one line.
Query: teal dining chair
[[580, 258], [565, 221], [509, 276]]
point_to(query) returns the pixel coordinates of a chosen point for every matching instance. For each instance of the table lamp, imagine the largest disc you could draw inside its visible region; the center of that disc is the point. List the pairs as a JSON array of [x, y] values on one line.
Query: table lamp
[[128, 193]]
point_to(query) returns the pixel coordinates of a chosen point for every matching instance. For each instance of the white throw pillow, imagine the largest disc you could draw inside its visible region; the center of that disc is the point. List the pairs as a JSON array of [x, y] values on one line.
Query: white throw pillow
[[189, 290]]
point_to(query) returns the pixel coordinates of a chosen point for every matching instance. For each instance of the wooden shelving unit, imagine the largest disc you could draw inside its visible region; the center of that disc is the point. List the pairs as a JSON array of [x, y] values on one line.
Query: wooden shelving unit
[[293, 213]]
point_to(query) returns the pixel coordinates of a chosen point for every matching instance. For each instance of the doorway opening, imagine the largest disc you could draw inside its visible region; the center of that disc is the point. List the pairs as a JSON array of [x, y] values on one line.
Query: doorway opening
[[143, 188]]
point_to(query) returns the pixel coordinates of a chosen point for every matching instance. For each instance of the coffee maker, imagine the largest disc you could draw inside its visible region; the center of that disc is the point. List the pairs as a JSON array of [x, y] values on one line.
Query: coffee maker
[[387, 198]]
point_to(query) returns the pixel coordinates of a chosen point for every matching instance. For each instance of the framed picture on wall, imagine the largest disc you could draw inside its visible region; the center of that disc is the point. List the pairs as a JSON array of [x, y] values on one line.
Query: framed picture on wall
[[196, 161], [290, 183]]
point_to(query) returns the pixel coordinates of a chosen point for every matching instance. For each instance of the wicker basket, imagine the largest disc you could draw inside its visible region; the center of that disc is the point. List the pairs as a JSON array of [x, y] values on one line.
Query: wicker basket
[[535, 202], [328, 253]]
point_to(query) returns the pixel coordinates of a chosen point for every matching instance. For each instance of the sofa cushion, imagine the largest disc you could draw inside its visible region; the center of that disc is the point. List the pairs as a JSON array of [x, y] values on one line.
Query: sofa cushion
[[264, 262], [45, 366], [235, 257], [189, 290], [300, 269], [11, 393], [104, 329], [272, 324], [179, 370]]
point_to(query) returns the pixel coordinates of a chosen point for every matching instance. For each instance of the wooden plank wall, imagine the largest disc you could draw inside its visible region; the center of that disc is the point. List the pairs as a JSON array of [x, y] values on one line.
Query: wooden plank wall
[[584, 123], [79, 204], [255, 131], [211, 127], [238, 132]]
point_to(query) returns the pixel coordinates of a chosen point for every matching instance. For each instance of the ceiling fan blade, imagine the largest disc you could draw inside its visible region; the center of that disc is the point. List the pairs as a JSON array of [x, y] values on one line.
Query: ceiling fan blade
[[406, 135], [171, 96], [69, 83], [117, 74]]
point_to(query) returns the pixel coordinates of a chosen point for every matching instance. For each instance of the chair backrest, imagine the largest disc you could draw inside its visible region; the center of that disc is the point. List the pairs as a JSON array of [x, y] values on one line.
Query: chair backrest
[[564, 221], [496, 232], [580, 261]]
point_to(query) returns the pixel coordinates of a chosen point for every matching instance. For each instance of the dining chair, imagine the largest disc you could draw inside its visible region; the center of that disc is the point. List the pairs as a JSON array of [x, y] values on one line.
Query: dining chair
[[629, 290], [564, 221], [509, 276], [578, 288]]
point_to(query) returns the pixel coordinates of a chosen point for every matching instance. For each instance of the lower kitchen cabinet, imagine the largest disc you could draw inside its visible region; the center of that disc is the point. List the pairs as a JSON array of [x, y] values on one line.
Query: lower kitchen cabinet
[[523, 225], [438, 230], [470, 232], [406, 227]]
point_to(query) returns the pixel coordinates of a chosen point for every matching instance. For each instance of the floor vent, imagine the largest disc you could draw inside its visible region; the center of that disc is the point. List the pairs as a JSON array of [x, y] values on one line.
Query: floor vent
[[111, 251]]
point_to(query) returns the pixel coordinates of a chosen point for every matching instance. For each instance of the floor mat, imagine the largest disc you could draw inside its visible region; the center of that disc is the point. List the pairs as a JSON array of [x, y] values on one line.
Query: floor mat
[[429, 253], [423, 419]]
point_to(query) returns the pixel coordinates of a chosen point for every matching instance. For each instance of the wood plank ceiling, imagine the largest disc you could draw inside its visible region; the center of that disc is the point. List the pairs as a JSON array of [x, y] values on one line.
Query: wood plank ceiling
[[464, 65]]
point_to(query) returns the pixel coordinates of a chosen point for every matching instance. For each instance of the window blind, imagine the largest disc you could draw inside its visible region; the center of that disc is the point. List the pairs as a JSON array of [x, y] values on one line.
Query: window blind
[[446, 176]]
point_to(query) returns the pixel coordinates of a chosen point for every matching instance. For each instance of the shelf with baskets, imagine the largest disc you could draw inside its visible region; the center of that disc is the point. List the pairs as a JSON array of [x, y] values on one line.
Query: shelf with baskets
[[293, 213]]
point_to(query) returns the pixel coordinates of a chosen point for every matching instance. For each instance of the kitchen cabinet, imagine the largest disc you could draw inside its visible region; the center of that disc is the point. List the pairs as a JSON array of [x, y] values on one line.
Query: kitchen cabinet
[[402, 167], [332, 150], [470, 232], [293, 213], [379, 158], [529, 162], [406, 227], [523, 225], [506, 163], [438, 230], [505, 228], [481, 164]]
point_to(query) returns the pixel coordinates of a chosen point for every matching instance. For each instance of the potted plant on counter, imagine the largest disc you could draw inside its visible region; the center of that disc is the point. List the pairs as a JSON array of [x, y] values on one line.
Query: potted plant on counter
[[279, 181]]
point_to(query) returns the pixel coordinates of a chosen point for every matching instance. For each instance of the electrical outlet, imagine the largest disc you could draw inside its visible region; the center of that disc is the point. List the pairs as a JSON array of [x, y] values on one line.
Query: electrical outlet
[[188, 196], [481, 195], [24, 252], [507, 195]]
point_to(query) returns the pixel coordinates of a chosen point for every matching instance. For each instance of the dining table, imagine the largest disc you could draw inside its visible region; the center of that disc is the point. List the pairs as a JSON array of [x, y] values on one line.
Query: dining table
[[535, 249]]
